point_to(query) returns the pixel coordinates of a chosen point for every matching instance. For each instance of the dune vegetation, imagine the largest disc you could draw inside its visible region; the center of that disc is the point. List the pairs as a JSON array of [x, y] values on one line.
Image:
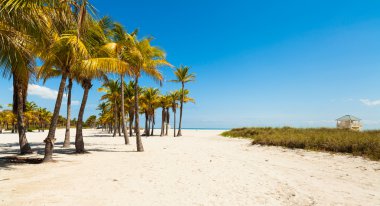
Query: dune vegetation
[[366, 144]]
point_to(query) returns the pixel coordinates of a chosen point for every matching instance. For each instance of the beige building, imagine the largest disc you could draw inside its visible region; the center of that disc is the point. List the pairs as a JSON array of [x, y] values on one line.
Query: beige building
[[349, 122]]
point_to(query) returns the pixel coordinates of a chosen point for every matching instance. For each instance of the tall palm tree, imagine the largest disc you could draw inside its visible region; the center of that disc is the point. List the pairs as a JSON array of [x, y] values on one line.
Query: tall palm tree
[[143, 58], [79, 143], [70, 53], [48, 73], [120, 42], [19, 31], [182, 76], [66, 142], [96, 65]]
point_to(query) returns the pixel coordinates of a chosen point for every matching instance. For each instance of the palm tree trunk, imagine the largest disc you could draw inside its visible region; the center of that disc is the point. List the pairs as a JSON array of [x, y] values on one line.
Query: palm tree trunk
[[180, 112], [79, 144], [140, 147], [146, 129], [118, 123], [50, 139], [24, 145], [163, 120], [115, 123], [167, 121], [126, 138], [174, 122], [131, 118], [153, 123], [66, 143], [150, 124]]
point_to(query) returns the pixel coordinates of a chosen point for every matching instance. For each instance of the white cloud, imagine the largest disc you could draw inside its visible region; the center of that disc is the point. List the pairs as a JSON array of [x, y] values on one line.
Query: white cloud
[[369, 102], [41, 91]]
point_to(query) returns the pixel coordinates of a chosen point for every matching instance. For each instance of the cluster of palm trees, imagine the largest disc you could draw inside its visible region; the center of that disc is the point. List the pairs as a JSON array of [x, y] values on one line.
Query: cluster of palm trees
[[34, 118], [112, 116], [73, 45]]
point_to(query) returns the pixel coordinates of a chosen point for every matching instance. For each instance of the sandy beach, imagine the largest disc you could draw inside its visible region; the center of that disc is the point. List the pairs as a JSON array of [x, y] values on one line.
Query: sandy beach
[[200, 168]]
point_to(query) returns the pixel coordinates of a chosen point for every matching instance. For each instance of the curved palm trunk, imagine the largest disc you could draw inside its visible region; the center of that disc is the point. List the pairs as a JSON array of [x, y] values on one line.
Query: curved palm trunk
[[50, 139], [66, 143], [126, 138], [180, 112], [140, 147], [79, 144], [24, 145]]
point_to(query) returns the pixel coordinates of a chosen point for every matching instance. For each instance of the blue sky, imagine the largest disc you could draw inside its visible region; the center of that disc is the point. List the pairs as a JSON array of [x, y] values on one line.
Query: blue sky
[[258, 63]]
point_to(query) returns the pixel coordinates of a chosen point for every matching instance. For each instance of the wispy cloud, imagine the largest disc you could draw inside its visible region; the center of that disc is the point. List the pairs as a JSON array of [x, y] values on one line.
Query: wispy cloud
[[370, 103], [41, 91]]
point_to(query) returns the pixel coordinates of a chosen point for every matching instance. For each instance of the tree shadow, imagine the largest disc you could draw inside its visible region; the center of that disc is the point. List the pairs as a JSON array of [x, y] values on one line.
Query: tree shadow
[[7, 162], [102, 135], [11, 153]]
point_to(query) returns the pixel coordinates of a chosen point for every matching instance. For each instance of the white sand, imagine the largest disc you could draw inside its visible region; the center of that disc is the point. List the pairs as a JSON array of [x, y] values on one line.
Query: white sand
[[200, 168]]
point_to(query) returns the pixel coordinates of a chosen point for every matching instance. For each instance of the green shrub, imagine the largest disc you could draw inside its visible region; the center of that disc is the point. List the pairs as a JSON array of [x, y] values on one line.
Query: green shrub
[[366, 144]]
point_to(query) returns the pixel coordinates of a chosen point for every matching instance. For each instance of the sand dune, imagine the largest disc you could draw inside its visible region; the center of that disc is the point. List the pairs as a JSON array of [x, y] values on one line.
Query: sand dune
[[200, 168]]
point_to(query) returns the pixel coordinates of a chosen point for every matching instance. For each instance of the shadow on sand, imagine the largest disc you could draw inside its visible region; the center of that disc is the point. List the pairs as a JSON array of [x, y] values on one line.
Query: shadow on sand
[[12, 156]]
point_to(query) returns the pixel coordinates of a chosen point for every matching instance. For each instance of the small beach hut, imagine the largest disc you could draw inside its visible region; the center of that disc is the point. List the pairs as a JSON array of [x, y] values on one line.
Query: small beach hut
[[349, 122]]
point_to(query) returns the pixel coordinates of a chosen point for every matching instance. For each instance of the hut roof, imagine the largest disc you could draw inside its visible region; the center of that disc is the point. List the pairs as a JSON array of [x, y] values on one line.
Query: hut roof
[[348, 118]]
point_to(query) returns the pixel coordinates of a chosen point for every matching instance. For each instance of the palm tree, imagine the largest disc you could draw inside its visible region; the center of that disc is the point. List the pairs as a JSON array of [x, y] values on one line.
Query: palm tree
[[30, 114], [19, 31], [111, 88], [150, 101], [164, 104], [103, 110], [70, 53], [2, 120], [143, 58], [121, 41], [129, 103], [43, 115], [48, 73], [79, 143], [96, 66], [183, 76], [173, 98], [66, 142]]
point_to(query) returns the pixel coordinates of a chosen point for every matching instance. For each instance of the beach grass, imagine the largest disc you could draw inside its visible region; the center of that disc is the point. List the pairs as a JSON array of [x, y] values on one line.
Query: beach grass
[[366, 144]]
